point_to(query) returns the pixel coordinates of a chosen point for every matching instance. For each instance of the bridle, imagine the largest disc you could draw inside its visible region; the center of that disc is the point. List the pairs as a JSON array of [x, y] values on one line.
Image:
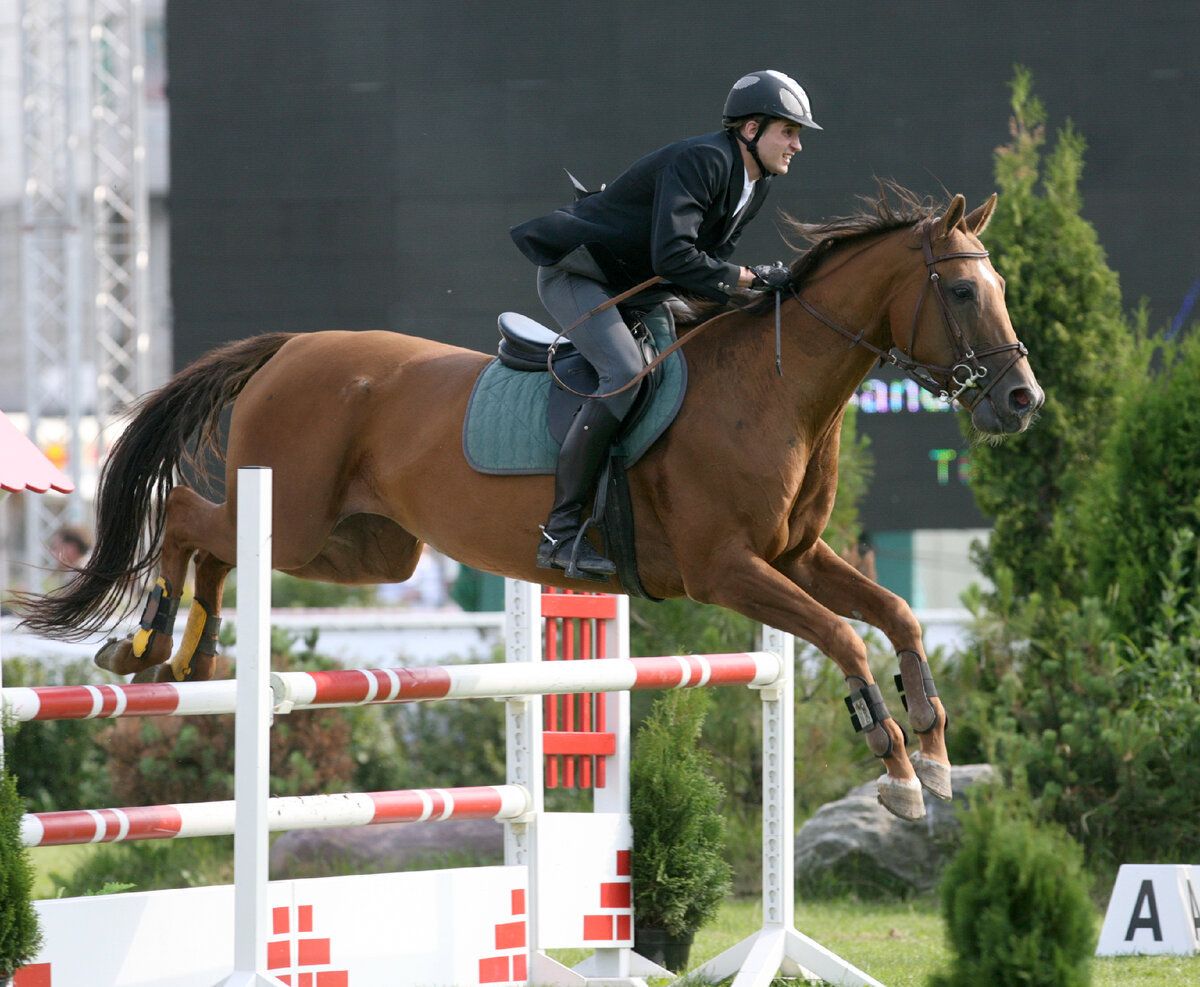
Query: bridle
[[948, 383]]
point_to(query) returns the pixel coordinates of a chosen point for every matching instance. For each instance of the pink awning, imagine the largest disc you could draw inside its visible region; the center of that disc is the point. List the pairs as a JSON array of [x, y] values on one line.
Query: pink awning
[[23, 466]]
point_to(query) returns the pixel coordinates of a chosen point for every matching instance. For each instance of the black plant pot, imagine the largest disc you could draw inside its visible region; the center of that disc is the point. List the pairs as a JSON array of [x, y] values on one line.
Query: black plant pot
[[665, 948]]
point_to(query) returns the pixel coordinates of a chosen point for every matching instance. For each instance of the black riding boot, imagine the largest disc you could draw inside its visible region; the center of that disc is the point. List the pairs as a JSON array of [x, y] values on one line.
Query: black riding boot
[[583, 453]]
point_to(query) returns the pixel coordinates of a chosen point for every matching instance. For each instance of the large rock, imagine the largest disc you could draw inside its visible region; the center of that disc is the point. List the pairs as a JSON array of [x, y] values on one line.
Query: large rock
[[855, 844], [387, 847]]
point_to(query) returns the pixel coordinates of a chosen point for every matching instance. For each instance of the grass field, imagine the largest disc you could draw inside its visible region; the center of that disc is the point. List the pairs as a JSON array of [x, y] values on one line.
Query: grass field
[[900, 945]]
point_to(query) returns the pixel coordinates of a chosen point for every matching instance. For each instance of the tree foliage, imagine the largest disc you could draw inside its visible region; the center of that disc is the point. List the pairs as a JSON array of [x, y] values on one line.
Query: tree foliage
[[1065, 303], [20, 936], [1082, 668], [1104, 732], [1016, 905], [680, 875], [1145, 492]]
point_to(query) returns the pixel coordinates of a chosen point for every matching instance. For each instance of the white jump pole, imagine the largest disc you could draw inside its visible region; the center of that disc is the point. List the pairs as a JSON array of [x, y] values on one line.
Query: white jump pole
[[252, 770], [777, 949]]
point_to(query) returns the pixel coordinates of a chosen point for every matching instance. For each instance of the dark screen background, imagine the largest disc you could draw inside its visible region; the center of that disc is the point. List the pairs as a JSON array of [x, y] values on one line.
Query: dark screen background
[[357, 164]]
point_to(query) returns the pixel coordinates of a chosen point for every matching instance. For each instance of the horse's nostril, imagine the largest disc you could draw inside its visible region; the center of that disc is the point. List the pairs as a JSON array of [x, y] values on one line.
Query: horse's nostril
[[1021, 398]]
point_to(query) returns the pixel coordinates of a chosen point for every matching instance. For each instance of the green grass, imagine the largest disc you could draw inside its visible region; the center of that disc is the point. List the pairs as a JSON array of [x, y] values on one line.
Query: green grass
[[902, 945], [62, 860]]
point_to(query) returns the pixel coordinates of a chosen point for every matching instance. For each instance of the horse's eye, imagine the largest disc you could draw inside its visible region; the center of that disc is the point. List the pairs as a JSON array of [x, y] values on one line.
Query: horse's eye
[[964, 290]]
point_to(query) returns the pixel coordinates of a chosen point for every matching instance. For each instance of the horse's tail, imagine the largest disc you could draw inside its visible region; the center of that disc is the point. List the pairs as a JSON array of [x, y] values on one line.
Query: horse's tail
[[170, 428]]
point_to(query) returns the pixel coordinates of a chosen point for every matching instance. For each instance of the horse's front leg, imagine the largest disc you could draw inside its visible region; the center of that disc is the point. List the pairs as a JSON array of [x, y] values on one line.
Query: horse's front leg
[[836, 584], [740, 581]]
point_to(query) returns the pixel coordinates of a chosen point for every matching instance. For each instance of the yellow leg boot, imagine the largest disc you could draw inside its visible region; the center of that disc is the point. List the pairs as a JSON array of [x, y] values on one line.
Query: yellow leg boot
[[195, 658]]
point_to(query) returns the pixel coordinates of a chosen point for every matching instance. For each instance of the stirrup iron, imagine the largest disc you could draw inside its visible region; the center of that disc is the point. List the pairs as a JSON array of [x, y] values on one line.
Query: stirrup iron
[[581, 542], [578, 542]]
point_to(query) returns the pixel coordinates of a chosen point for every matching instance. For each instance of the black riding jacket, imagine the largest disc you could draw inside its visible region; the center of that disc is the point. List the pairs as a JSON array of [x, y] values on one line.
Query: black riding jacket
[[670, 214]]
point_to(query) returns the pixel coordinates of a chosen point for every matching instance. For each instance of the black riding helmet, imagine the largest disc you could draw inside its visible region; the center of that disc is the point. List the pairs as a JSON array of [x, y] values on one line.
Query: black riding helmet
[[771, 94]]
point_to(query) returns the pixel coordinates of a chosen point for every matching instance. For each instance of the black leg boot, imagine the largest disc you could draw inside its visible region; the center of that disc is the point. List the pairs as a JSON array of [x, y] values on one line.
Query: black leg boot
[[583, 453]]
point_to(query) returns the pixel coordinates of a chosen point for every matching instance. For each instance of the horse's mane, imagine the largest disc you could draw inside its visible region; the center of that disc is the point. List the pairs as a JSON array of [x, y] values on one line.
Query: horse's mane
[[894, 208]]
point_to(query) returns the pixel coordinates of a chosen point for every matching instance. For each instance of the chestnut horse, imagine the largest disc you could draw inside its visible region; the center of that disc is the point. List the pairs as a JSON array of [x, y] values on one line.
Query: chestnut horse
[[364, 434]]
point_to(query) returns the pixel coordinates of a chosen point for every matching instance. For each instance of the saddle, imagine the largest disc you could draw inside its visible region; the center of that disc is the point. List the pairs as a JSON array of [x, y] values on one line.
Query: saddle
[[525, 346], [518, 415]]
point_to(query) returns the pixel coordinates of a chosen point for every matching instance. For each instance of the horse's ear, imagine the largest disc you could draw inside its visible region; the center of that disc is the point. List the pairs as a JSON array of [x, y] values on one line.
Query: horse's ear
[[978, 219], [954, 215]]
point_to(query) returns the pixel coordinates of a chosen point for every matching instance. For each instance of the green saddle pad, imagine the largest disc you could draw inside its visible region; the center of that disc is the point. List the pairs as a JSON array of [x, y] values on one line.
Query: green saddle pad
[[505, 429]]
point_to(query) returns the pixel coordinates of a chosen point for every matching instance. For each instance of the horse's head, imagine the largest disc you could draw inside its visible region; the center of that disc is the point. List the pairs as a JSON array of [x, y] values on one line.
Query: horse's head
[[954, 329]]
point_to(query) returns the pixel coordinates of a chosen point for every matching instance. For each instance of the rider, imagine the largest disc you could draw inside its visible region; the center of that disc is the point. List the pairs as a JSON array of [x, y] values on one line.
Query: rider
[[676, 213]]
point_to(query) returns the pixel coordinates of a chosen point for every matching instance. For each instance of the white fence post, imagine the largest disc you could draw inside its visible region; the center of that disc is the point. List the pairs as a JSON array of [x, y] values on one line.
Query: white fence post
[[523, 743], [252, 770], [777, 949]]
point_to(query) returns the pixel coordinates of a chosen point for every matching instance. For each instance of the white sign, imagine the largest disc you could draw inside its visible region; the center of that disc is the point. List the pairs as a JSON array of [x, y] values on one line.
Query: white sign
[[1154, 908]]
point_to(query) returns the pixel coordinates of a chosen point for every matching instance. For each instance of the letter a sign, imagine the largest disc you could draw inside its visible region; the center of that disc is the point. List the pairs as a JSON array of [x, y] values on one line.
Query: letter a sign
[[1154, 908]]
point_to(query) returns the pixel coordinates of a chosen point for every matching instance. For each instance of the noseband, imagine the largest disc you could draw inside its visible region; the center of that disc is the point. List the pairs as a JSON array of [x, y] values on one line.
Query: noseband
[[948, 383]]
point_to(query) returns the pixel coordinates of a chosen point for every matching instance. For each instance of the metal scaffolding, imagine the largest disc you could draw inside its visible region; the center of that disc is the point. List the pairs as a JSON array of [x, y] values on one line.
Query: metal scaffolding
[[51, 272], [120, 208], [82, 358]]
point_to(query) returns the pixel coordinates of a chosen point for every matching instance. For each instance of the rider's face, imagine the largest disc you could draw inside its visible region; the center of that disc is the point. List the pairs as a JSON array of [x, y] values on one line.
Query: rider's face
[[779, 142]]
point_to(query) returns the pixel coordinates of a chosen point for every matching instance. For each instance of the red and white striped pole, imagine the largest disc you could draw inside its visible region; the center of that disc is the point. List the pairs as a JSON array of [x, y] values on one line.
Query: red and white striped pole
[[353, 687], [85, 702], [163, 822], [306, 690]]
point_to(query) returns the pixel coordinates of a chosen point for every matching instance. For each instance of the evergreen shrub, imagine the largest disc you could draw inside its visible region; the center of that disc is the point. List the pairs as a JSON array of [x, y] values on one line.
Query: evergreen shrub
[[1065, 302], [1145, 489], [680, 875], [1015, 903], [1104, 730], [20, 935]]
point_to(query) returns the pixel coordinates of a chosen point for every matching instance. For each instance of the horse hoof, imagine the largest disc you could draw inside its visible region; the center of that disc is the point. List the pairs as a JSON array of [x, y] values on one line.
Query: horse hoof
[[933, 775], [902, 798], [117, 657], [146, 675]]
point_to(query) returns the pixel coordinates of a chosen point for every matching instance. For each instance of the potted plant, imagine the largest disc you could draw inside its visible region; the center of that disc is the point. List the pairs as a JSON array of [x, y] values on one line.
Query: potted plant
[[680, 875], [20, 937]]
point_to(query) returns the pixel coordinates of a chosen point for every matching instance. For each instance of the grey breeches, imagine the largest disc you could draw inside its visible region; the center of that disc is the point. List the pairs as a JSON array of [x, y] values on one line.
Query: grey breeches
[[604, 339]]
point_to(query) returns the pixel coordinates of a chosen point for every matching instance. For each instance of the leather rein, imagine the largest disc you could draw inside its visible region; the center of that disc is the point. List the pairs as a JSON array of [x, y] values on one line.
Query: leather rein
[[964, 375]]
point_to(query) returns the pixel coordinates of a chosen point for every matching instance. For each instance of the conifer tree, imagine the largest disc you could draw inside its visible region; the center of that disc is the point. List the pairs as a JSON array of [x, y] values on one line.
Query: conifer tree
[[20, 936], [1015, 902], [1065, 304]]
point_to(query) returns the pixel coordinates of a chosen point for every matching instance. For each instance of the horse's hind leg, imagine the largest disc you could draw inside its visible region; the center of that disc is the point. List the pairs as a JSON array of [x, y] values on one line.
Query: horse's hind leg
[[196, 658], [843, 589], [150, 645], [192, 523], [207, 529]]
